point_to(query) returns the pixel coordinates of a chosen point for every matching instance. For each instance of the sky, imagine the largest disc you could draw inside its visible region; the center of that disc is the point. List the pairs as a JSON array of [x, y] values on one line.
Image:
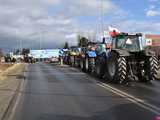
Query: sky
[[50, 23]]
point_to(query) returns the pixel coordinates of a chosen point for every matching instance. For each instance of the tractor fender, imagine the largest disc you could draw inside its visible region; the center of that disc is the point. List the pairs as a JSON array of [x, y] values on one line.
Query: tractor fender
[[149, 53], [121, 52]]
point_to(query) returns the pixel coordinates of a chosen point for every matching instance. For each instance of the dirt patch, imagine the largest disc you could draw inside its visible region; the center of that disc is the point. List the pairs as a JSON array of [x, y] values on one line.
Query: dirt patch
[[10, 70], [3, 67]]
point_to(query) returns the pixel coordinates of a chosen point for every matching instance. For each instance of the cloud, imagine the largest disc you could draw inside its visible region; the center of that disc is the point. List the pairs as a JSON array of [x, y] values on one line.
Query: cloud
[[143, 26], [71, 36], [153, 0], [56, 21], [26, 20], [53, 21], [152, 13], [152, 7], [87, 7]]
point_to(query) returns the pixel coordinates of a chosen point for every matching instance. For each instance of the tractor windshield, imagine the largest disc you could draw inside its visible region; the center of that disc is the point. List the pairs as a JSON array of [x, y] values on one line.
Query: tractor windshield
[[130, 43]]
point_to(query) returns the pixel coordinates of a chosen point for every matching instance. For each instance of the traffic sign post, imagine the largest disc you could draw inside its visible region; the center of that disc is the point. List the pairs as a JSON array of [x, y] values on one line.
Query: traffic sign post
[[61, 54]]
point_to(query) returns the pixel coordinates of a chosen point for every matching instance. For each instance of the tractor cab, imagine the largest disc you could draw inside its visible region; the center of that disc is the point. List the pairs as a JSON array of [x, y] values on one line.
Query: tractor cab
[[129, 42]]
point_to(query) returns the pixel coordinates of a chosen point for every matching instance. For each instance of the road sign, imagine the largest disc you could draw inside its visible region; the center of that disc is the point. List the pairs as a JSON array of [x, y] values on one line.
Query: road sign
[[61, 52], [148, 42]]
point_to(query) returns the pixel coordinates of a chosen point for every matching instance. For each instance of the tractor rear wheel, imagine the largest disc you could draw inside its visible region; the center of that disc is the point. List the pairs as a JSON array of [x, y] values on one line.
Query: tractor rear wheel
[[151, 68], [91, 65], [72, 61], [116, 69], [86, 64], [82, 65]]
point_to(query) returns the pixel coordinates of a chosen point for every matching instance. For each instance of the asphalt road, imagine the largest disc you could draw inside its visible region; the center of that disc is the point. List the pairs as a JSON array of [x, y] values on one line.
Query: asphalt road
[[64, 93]]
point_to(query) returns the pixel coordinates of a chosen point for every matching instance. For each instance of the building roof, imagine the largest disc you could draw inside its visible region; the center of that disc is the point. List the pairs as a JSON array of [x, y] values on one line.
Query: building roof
[[152, 36]]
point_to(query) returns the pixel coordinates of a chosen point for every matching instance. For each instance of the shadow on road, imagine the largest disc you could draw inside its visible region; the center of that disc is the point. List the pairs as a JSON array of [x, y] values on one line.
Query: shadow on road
[[119, 112], [18, 76]]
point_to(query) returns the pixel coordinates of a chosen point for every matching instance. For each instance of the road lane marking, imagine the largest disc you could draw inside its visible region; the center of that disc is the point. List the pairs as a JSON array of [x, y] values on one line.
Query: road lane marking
[[131, 98]]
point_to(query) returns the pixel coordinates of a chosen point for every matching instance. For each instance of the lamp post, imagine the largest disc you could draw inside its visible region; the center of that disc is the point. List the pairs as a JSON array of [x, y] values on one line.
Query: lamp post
[[40, 40]]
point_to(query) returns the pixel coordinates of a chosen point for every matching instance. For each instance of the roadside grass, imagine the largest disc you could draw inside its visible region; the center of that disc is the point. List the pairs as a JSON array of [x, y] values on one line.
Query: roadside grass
[[10, 69], [4, 66]]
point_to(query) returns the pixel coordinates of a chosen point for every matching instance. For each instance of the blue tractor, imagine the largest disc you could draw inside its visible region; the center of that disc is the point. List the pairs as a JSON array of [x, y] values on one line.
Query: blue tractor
[[100, 63], [88, 57]]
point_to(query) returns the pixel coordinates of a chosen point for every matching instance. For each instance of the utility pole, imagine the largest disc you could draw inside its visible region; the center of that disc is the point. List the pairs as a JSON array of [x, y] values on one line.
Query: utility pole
[[100, 21], [20, 45], [102, 17], [40, 40], [18, 42]]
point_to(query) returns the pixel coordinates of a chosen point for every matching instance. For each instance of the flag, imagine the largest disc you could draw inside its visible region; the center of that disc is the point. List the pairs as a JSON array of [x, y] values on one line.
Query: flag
[[113, 31]]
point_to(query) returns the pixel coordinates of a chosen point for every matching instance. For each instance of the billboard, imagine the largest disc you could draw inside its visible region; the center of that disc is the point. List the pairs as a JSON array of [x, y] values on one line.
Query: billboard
[[48, 53]]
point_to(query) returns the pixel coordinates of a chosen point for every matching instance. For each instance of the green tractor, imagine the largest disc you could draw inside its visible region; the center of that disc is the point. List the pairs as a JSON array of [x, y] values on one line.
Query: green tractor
[[127, 60]]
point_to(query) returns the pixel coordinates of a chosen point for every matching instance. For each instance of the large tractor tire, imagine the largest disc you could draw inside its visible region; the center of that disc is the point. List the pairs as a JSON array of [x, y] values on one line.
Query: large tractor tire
[[92, 65], [72, 61], [116, 69], [86, 64], [89, 64], [82, 65], [158, 64], [151, 68], [100, 67], [76, 62]]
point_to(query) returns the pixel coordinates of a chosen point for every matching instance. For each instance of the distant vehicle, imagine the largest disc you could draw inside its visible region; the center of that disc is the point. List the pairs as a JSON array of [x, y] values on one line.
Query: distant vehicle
[[74, 56], [100, 64], [2, 59], [53, 59]]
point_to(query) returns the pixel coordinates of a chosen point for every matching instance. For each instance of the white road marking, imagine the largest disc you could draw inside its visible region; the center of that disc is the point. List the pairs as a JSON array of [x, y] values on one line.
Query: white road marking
[[131, 98]]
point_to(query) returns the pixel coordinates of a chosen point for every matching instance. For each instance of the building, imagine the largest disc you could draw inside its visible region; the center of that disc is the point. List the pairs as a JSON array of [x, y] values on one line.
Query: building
[[153, 43], [155, 39]]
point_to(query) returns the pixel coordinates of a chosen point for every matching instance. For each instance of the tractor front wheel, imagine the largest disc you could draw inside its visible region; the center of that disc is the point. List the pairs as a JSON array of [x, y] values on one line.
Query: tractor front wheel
[[86, 64], [116, 69], [100, 68], [82, 65]]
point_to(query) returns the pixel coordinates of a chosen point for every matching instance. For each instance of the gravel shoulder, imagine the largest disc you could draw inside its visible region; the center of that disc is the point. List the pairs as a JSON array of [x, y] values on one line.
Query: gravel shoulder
[[10, 79]]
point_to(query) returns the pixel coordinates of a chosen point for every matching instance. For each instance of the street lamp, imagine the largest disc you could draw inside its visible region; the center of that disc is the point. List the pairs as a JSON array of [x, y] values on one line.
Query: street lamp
[[102, 17]]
